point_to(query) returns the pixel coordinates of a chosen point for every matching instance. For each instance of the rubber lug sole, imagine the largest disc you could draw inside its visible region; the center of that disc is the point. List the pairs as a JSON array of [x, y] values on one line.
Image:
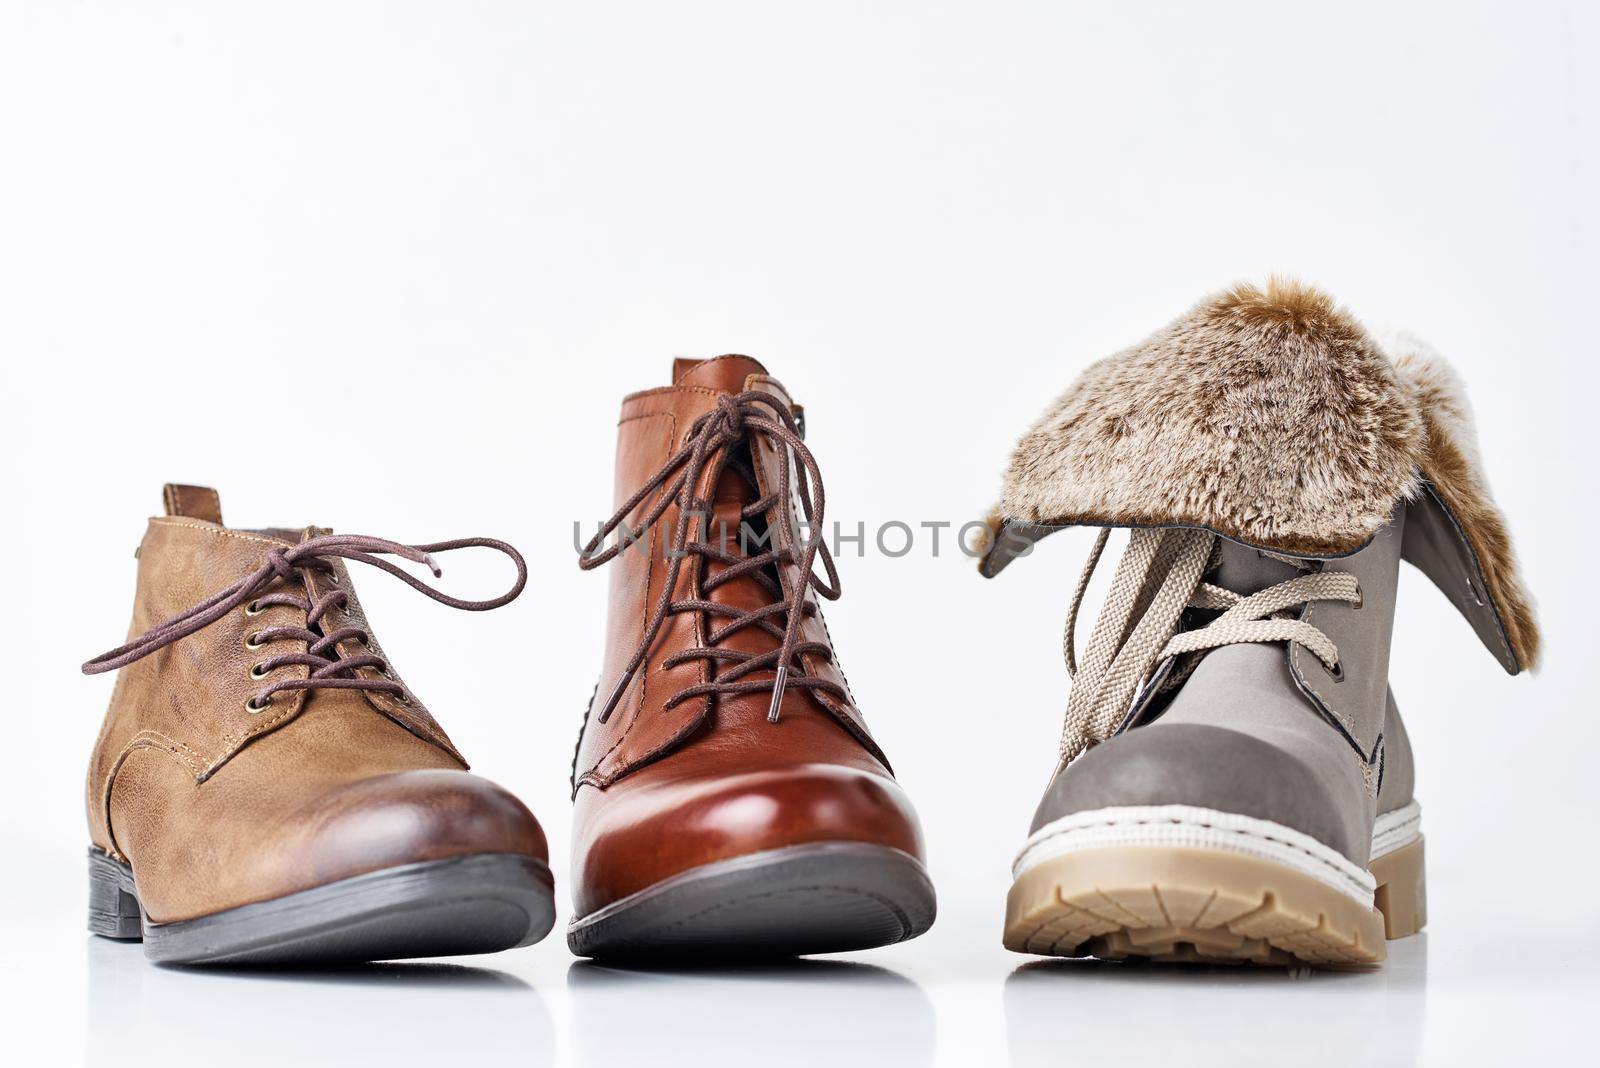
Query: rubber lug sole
[[1180, 904], [463, 905], [822, 898]]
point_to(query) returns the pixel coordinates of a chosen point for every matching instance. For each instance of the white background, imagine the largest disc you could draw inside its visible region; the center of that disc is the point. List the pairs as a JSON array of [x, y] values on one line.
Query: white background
[[390, 267]]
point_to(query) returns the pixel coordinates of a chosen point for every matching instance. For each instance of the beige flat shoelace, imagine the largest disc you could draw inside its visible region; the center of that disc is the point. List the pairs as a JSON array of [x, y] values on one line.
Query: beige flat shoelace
[[1159, 576]]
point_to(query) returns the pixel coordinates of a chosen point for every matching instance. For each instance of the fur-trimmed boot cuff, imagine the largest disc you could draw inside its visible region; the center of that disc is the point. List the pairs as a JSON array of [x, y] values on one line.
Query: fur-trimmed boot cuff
[[1272, 418]]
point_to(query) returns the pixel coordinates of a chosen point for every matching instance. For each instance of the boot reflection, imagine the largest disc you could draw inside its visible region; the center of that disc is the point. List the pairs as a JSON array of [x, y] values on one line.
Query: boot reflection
[[1197, 1014], [796, 1012], [396, 1014]]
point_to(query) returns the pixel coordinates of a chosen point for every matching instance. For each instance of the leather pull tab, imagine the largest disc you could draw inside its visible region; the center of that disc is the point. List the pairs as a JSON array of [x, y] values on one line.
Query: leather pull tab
[[193, 502], [682, 366]]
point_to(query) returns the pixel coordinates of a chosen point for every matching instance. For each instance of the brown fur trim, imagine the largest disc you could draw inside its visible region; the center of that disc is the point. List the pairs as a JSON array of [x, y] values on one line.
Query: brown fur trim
[[1454, 467], [983, 540], [1270, 417], [1273, 418]]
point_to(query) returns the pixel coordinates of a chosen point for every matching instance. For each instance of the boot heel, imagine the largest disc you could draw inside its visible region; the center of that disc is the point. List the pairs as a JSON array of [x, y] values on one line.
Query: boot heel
[[113, 908], [1402, 894]]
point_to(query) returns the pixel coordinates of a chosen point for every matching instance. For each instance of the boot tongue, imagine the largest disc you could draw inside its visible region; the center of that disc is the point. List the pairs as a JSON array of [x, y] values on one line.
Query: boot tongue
[[746, 593], [732, 492], [1245, 571], [725, 374], [721, 374]]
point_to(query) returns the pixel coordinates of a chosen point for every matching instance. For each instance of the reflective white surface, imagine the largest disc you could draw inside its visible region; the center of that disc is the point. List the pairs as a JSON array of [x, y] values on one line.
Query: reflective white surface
[[1476, 988], [389, 266]]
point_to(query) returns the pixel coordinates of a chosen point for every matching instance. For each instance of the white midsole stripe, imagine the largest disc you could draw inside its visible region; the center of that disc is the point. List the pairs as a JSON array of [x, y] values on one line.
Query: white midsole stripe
[[1394, 829], [1189, 826]]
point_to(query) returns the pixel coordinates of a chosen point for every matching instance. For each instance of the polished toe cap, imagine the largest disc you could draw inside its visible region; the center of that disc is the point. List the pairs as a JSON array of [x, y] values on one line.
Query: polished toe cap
[[652, 827], [411, 816]]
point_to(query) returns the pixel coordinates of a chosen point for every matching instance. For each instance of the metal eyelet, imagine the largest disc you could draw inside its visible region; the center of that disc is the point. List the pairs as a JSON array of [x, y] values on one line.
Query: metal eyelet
[[254, 640], [254, 608], [1337, 671], [254, 709], [256, 672]]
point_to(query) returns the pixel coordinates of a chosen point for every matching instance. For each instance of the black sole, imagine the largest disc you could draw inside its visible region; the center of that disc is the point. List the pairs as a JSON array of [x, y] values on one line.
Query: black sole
[[441, 908], [828, 897]]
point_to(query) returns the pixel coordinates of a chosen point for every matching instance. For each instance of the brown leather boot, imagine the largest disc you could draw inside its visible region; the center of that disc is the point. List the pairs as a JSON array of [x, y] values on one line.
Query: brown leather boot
[[266, 789], [729, 798]]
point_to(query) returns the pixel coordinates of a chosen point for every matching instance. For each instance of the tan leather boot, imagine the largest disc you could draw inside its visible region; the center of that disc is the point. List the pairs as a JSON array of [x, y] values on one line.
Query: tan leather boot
[[729, 798], [1235, 781], [266, 789]]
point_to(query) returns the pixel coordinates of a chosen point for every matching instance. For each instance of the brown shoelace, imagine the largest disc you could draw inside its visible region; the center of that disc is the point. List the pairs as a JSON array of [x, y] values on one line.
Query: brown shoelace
[[328, 669], [731, 422]]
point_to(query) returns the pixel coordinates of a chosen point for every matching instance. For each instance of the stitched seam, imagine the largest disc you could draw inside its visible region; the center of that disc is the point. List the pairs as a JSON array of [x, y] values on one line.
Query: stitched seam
[[1334, 718], [152, 738], [420, 722], [168, 521], [649, 415], [105, 732], [1373, 772], [1180, 822], [577, 748], [1399, 830], [1413, 818], [637, 706], [663, 391], [649, 756], [1406, 831], [1477, 568], [699, 639], [715, 360], [177, 499], [145, 739], [236, 739], [644, 609], [1327, 705]]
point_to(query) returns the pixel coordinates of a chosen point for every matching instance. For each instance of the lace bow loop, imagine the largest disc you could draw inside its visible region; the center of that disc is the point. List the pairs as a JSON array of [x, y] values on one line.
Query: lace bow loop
[[283, 565]]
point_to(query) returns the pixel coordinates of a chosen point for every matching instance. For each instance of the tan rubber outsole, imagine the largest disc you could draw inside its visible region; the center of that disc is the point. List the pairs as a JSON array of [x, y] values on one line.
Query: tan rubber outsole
[[1185, 904]]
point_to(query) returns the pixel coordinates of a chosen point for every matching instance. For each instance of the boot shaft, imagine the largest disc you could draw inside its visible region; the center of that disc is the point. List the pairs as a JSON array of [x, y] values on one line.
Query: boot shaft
[[638, 716]]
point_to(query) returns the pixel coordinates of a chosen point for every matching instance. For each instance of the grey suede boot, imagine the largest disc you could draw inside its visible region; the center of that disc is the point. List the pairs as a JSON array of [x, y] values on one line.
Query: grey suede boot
[[1235, 782]]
